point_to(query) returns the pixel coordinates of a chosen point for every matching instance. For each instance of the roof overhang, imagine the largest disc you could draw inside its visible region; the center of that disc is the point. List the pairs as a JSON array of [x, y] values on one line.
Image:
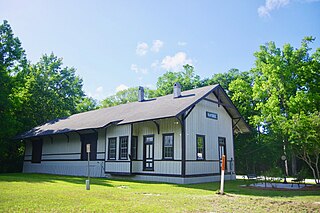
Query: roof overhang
[[238, 123]]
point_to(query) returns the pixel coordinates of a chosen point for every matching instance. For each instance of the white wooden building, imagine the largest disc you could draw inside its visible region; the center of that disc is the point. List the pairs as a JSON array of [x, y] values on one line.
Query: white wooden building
[[176, 138]]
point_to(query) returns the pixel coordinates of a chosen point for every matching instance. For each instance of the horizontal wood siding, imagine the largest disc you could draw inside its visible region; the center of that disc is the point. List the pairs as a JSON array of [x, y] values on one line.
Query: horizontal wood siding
[[198, 123], [169, 125]]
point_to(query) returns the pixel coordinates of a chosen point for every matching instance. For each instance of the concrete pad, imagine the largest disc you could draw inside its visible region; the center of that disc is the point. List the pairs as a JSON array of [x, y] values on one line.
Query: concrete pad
[[279, 185]]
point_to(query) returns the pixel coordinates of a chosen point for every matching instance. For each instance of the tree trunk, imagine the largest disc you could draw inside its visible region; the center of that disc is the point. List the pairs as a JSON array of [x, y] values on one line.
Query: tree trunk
[[293, 165], [286, 160]]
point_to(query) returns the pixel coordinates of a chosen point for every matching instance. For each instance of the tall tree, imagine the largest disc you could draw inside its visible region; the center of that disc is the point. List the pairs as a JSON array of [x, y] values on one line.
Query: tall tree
[[50, 91], [304, 135], [224, 79], [286, 84], [12, 60]]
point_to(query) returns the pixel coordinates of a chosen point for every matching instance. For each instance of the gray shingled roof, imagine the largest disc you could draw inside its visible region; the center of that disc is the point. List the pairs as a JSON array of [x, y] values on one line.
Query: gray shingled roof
[[160, 107]]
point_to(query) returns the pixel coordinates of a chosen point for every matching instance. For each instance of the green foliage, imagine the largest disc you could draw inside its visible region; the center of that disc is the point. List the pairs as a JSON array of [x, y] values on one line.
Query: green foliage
[[32, 94], [225, 79], [304, 132], [55, 90], [86, 104], [187, 78], [287, 94], [12, 60], [126, 96]]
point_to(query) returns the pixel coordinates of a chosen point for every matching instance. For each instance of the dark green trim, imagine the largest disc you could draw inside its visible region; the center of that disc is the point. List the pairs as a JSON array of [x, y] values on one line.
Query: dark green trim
[[123, 137], [115, 156], [183, 144], [144, 153], [203, 148], [163, 136]]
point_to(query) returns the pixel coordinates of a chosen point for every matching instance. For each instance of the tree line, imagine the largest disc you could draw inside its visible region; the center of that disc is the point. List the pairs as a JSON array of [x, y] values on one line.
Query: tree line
[[32, 94], [279, 97]]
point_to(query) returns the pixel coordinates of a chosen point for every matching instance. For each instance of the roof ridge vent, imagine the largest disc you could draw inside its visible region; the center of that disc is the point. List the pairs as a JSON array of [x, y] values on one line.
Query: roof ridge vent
[[176, 90], [141, 94]]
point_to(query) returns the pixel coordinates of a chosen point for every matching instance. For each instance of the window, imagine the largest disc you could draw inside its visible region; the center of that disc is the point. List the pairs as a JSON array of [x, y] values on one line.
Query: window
[[200, 147], [36, 151], [168, 146], [123, 148], [134, 148], [112, 148], [91, 139]]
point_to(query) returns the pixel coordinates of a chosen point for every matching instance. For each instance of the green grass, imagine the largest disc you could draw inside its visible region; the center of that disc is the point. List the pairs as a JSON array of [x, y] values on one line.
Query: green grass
[[52, 193]]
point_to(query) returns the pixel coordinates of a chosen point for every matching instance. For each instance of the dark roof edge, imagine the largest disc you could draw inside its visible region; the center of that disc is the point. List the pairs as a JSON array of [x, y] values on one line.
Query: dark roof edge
[[216, 86], [20, 137], [197, 101], [151, 119], [228, 98]]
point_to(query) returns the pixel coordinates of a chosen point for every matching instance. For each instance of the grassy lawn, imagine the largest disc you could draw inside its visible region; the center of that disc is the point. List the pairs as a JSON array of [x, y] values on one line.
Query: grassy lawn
[[52, 193]]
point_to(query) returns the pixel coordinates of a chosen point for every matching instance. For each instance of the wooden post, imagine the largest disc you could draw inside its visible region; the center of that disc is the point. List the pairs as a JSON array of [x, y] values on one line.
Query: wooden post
[[88, 181], [222, 174]]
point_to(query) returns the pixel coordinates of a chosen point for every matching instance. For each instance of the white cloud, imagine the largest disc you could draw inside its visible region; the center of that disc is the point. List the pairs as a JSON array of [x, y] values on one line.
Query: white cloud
[[121, 87], [156, 46], [155, 64], [99, 89], [182, 43], [136, 69], [264, 10], [142, 48], [175, 62], [97, 94]]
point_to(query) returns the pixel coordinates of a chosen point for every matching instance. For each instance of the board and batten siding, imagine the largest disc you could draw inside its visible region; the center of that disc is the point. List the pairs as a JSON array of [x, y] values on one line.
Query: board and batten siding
[[60, 156], [198, 123], [118, 166], [169, 125]]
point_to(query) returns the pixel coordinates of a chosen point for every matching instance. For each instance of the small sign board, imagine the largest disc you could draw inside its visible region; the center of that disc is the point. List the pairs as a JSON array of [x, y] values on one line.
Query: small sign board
[[212, 115], [88, 148]]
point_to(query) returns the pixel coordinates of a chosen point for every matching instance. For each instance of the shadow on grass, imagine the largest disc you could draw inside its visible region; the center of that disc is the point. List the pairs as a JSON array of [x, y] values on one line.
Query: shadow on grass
[[236, 187], [48, 178], [239, 187]]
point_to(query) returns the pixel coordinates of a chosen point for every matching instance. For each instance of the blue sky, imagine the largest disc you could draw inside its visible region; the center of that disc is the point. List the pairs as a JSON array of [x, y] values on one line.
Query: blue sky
[[119, 44]]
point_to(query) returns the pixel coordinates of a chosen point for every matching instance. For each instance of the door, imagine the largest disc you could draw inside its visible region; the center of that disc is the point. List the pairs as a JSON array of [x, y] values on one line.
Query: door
[[222, 151], [90, 138], [148, 152]]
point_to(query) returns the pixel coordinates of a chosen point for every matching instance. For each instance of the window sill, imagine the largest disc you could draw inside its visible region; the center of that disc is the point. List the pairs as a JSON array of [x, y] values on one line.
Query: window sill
[[167, 159]]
